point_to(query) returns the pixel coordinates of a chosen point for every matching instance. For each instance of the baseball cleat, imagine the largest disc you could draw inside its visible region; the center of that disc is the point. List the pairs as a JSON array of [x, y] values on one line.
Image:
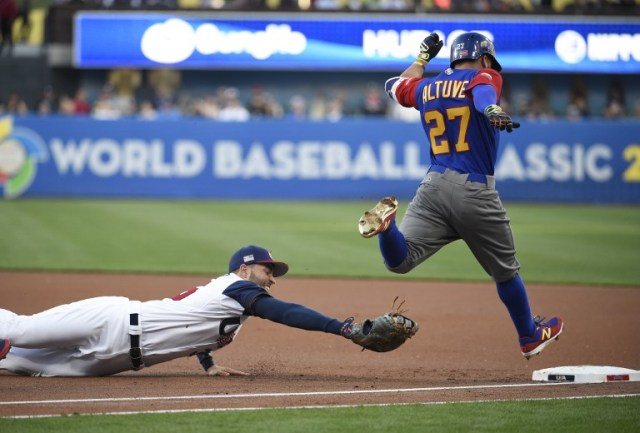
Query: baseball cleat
[[546, 333], [5, 346], [377, 220]]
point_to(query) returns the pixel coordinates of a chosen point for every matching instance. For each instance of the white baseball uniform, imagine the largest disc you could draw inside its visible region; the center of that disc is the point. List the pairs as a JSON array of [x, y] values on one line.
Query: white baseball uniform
[[92, 337]]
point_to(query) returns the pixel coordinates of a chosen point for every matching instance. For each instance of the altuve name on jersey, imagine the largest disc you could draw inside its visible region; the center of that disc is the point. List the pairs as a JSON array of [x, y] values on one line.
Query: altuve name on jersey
[[444, 89]]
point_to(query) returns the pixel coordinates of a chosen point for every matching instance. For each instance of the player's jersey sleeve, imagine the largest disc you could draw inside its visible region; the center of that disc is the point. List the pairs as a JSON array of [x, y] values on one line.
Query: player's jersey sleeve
[[403, 90], [245, 293], [486, 76], [295, 315]]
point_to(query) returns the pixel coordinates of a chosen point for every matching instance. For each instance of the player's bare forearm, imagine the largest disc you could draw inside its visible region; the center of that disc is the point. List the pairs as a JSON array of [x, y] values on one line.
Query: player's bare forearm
[[415, 70]]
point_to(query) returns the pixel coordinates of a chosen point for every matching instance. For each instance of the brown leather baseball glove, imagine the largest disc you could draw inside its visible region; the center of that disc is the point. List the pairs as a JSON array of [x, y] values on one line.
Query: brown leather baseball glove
[[382, 334]]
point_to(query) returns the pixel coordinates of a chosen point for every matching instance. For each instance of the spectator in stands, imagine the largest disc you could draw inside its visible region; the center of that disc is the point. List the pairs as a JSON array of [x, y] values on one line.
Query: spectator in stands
[[522, 5], [258, 103], [335, 109], [373, 104], [16, 105], [297, 108], [66, 106], [523, 106], [103, 108], [167, 110], [147, 111], [328, 4], [46, 104], [164, 83], [232, 108], [578, 106], [81, 105], [186, 105], [124, 82], [432, 5], [318, 107], [614, 109], [8, 14], [616, 104], [207, 107], [263, 104], [540, 105]]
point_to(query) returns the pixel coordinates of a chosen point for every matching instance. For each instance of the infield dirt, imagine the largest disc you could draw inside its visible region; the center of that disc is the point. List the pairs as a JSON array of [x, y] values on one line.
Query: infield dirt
[[466, 347]]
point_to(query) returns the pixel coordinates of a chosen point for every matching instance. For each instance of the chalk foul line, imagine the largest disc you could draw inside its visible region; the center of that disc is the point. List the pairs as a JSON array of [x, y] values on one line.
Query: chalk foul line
[[278, 394]]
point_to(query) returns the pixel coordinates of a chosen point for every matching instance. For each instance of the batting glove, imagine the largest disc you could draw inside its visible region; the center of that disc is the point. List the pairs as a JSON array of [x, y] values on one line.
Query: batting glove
[[500, 119], [429, 48], [347, 328]]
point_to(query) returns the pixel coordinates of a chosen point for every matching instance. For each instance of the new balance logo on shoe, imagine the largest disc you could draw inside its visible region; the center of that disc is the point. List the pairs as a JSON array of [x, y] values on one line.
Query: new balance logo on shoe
[[545, 333]]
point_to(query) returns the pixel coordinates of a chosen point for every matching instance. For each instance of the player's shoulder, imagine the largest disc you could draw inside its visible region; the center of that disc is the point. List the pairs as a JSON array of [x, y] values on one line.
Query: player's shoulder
[[490, 74], [242, 287], [228, 283], [487, 76]]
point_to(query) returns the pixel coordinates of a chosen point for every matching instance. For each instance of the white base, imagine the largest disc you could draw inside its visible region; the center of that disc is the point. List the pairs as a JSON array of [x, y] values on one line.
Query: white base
[[586, 374]]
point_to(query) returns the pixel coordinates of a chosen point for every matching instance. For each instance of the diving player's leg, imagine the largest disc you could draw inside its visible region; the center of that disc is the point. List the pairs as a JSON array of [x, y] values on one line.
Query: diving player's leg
[[62, 362]]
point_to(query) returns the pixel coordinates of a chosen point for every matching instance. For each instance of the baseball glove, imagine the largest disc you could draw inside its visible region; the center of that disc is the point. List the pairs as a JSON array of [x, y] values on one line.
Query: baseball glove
[[382, 334]]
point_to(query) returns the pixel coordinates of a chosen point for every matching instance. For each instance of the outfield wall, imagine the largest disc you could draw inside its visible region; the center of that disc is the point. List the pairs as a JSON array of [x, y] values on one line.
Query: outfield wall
[[559, 161]]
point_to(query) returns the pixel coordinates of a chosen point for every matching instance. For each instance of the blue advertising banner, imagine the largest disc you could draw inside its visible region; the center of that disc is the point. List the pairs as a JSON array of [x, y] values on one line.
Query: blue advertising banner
[[588, 162], [348, 42]]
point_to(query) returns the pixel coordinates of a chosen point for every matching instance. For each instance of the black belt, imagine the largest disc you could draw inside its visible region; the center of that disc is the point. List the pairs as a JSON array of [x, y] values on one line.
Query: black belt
[[472, 177], [135, 352]]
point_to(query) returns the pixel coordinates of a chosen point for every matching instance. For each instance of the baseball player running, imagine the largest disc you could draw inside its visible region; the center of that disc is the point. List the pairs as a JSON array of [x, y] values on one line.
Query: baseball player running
[[457, 197], [108, 335]]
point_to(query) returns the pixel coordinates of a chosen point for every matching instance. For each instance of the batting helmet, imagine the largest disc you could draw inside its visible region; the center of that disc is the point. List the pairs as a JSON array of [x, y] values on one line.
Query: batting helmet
[[472, 46]]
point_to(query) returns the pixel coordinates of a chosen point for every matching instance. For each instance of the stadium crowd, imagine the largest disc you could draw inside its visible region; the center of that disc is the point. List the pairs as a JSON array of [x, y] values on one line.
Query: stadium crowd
[[161, 94], [165, 94], [418, 6]]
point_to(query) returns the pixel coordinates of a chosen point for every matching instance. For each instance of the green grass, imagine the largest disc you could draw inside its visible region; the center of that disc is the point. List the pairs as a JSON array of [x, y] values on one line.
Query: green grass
[[618, 415], [556, 244], [560, 244]]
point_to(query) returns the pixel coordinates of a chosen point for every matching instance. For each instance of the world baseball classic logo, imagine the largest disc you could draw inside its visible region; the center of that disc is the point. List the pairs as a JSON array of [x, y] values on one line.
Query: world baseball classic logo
[[21, 150]]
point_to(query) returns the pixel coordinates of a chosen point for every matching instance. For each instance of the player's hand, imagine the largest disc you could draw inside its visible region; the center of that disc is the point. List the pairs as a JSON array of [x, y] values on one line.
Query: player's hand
[[500, 119], [218, 370], [429, 48]]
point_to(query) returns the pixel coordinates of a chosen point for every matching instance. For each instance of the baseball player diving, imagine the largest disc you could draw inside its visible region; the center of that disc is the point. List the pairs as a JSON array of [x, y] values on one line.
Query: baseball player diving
[[457, 198], [111, 334]]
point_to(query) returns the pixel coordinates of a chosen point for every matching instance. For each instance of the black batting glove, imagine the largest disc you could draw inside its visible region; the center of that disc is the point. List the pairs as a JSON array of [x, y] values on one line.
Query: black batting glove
[[429, 48], [499, 119]]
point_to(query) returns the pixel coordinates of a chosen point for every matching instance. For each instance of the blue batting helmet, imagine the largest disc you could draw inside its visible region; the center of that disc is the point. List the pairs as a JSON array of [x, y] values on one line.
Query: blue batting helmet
[[472, 46]]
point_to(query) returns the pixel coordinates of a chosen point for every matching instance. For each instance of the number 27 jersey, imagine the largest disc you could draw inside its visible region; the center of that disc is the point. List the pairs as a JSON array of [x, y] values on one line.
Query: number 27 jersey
[[459, 136]]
